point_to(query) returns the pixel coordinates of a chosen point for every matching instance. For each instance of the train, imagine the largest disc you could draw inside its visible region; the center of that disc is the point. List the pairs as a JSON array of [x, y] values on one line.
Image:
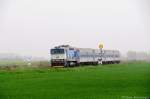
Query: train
[[68, 56]]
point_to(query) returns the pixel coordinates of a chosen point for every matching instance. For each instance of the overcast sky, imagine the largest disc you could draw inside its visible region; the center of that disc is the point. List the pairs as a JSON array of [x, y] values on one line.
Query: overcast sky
[[32, 27]]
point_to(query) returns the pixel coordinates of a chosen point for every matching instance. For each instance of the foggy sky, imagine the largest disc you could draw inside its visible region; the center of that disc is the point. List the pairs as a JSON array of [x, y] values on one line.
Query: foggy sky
[[32, 27]]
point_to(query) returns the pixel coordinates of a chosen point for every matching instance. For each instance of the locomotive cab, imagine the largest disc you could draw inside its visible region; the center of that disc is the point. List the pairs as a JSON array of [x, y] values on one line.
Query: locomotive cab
[[58, 57], [64, 55]]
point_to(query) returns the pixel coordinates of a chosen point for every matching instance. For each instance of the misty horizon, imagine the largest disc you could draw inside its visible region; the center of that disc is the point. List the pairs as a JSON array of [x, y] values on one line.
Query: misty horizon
[[33, 27]]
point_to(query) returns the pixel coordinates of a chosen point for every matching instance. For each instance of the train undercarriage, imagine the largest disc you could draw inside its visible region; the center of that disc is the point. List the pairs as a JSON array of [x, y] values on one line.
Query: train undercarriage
[[75, 63]]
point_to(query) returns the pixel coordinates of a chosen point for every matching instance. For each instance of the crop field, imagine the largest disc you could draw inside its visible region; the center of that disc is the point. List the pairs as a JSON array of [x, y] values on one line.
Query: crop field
[[115, 81]]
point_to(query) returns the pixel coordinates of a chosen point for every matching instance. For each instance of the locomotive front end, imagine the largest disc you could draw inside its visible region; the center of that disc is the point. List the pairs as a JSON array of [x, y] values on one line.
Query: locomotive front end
[[58, 57]]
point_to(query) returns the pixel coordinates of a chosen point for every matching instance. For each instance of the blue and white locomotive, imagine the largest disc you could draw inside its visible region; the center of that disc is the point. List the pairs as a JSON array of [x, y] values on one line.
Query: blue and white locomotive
[[65, 55]]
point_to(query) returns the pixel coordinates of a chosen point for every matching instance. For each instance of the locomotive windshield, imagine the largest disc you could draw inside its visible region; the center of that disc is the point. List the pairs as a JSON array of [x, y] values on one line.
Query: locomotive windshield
[[57, 51]]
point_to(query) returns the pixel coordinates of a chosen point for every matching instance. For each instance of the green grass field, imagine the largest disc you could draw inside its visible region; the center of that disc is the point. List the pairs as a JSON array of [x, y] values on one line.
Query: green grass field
[[117, 81]]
